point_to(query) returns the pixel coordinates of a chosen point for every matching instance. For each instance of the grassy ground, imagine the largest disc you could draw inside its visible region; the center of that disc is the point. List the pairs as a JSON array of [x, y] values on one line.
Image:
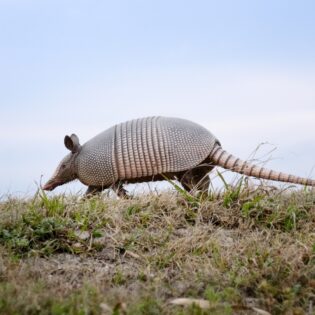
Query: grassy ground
[[243, 251]]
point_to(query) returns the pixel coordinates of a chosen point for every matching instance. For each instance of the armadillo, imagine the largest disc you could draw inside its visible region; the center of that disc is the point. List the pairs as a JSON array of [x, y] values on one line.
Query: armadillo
[[150, 149]]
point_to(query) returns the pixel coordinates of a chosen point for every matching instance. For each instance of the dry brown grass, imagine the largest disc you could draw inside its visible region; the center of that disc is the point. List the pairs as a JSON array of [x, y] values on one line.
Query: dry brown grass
[[243, 251]]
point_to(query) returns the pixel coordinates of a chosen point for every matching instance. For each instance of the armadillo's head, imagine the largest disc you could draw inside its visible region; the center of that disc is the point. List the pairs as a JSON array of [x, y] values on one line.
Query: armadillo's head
[[66, 170]]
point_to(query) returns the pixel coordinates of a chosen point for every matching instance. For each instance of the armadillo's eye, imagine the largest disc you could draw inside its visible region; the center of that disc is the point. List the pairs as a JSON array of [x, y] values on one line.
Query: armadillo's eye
[[63, 166]]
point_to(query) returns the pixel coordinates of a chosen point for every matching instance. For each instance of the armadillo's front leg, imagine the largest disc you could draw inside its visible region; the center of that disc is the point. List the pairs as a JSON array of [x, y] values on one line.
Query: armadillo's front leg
[[119, 189], [93, 190]]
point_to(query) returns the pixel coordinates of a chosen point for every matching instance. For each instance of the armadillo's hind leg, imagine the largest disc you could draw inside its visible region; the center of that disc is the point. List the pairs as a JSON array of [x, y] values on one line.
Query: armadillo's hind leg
[[119, 190], [196, 184], [93, 190], [197, 179]]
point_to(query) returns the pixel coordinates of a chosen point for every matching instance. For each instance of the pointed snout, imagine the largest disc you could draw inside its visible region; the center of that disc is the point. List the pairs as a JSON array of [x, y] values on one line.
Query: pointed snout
[[51, 184]]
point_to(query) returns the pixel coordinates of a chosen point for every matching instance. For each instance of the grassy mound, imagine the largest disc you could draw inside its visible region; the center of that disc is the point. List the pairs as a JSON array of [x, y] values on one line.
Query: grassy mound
[[242, 251]]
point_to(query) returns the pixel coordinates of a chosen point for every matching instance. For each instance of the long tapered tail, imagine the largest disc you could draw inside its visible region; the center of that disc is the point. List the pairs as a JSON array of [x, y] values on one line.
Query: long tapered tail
[[228, 161]]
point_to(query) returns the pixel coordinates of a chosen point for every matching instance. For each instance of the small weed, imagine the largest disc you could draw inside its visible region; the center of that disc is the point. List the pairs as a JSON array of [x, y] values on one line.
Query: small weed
[[118, 278], [232, 194], [164, 261], [131, 210], [248, 206], [97, 233]]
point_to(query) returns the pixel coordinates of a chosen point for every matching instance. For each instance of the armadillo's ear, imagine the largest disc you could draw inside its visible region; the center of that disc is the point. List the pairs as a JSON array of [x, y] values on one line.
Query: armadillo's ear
[[72, 143]]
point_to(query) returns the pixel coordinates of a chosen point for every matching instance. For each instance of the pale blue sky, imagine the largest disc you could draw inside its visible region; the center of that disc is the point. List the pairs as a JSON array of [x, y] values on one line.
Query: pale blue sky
[[243, 69]]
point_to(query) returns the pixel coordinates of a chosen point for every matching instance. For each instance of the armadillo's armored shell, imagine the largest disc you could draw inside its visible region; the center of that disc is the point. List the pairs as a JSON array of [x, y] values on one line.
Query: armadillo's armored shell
[[143, 147]]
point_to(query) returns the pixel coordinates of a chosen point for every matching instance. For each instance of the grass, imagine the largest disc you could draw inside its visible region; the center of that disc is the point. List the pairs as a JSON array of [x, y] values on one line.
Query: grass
[[241, 251]]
